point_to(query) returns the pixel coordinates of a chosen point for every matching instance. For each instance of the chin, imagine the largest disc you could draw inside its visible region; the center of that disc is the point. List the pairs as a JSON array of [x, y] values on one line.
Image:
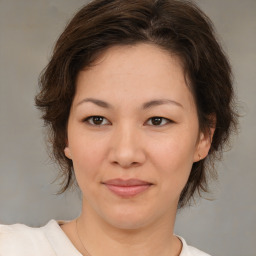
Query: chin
[[129, 219], [129, 223]]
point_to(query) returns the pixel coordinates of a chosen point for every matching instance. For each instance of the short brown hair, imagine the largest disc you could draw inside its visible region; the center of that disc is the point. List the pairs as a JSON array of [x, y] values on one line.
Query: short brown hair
[[179, 27]]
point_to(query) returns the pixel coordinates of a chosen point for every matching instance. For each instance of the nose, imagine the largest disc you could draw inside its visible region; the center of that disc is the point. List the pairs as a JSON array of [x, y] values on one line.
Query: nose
[[127, 148]]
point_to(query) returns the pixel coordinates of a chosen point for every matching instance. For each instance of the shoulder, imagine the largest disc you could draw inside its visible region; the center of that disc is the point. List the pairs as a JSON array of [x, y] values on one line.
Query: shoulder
[[19, 239], [188, 250], [195, 252]]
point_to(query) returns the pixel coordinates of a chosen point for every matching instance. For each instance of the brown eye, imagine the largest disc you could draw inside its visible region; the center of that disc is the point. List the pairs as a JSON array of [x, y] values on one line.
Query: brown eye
[[96, 120], [158, 121]]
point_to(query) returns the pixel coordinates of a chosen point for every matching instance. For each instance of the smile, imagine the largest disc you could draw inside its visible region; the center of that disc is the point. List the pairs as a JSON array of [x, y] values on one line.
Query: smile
[[127, 188]]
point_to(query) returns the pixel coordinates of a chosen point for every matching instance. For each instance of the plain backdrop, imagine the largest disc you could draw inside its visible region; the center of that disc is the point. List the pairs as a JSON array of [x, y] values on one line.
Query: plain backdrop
[[28, 30]]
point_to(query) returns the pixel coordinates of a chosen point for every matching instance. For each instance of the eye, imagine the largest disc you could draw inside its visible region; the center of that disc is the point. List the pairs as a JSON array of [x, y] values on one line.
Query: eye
[[96, 120], [158, 121]]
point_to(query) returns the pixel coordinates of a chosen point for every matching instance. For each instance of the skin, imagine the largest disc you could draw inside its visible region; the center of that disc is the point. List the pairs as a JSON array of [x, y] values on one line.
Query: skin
[[127, 143]]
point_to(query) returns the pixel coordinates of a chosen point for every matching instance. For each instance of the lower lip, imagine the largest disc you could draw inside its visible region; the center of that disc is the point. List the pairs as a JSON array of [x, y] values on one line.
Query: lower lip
[[127, 191]]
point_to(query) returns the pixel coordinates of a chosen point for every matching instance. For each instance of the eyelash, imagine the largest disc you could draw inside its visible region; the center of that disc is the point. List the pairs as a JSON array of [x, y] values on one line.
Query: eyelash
[[87, 120]]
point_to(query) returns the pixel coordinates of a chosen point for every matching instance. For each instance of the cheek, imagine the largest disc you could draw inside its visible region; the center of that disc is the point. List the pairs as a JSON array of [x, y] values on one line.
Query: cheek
[[87, 156], [173, 159]]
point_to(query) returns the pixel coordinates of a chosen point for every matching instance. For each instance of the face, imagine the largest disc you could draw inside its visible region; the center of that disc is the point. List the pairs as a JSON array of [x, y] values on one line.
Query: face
[[133, 135]]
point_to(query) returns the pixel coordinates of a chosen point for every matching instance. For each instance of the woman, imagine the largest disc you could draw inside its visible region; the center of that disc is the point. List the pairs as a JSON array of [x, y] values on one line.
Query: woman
[[138, 101]]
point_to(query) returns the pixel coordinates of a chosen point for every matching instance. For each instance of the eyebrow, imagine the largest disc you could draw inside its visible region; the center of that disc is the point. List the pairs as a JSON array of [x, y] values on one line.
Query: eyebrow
[[146, 105]]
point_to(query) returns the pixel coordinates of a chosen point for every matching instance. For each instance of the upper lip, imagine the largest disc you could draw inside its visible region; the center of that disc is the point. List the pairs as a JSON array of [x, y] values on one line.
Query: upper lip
[[126, 183]]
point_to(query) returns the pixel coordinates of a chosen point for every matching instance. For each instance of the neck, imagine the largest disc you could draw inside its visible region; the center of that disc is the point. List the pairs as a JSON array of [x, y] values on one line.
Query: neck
[[154, 239]]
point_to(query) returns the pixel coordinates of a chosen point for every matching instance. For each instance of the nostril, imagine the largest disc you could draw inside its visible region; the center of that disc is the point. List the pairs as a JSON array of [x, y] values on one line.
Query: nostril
[[125, 165]]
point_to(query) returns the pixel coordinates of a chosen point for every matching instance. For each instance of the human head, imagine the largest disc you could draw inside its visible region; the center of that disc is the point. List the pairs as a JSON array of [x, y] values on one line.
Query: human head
[[178, 27]]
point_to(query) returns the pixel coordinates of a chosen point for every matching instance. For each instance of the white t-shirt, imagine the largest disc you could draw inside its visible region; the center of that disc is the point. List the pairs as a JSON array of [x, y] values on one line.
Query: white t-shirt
[[50, 240]]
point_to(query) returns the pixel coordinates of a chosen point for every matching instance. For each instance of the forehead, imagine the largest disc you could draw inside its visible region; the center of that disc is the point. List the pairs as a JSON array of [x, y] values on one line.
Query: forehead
[[137, 59], [134, 72]]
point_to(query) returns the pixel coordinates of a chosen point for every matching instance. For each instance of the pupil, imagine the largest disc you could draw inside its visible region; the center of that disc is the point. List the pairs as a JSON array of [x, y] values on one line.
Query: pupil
[[157, 120], [97, 119]]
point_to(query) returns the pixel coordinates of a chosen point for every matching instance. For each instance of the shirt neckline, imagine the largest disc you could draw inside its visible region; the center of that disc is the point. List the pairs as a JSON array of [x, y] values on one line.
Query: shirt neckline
[[56, 240]]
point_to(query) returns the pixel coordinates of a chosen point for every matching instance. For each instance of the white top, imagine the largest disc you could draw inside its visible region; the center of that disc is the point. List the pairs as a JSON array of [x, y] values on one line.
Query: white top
[[50, 240]]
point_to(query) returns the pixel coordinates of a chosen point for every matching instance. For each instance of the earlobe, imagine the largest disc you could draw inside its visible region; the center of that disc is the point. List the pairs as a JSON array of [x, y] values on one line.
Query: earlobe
[[205, 139], [204, 144], [67, 152]]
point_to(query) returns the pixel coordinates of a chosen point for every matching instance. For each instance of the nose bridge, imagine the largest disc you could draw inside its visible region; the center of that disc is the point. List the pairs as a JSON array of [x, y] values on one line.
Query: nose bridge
[[127, 146]]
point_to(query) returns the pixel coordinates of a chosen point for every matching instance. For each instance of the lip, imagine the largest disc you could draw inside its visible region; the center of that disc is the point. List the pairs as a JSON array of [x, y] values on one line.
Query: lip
[[127, 188]]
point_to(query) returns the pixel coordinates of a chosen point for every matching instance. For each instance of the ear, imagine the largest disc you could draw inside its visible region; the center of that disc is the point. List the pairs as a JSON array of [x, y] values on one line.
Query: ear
[[204, 144], [67, 152]]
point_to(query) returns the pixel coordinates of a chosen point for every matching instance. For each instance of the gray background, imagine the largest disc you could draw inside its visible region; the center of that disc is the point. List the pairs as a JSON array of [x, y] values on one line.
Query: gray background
[[28, 30]]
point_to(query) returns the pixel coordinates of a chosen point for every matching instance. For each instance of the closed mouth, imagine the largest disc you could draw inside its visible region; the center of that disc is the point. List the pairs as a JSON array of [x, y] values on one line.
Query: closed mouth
[[126, 183], [127, 188]]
